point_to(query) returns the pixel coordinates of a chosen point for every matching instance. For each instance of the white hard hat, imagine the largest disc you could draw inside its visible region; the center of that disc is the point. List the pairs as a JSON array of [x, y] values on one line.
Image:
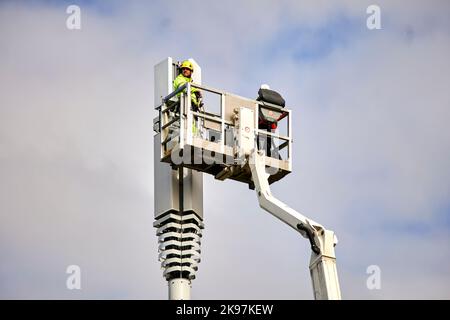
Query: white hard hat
[[265, 86]]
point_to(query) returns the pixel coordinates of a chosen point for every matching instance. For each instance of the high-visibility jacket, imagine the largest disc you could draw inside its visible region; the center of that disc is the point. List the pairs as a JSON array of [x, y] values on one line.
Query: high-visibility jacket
[[181, 80]]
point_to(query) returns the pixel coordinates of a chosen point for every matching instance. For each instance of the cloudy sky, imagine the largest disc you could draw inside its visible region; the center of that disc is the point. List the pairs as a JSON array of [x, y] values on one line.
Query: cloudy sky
[[371, 152]]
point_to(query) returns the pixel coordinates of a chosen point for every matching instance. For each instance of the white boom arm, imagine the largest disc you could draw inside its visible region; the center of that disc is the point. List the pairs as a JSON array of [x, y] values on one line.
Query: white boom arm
[[323, 260]]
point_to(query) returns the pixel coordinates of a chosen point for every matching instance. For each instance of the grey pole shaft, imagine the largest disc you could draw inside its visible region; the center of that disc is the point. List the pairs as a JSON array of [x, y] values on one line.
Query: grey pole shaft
[[180, 288]]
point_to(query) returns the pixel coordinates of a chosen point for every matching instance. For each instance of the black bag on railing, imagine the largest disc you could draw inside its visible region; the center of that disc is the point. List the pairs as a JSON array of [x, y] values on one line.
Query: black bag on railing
[[271, 96]]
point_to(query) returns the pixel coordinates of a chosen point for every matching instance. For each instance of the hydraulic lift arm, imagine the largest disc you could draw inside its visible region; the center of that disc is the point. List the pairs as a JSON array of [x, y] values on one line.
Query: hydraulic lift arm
[[323, 259]]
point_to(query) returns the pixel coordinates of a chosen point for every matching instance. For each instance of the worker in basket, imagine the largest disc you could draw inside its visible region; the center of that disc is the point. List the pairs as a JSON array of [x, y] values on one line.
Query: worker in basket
[[187, 69]]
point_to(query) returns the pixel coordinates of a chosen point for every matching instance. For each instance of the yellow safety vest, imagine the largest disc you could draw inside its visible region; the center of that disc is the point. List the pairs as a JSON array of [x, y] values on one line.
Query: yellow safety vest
[[181, 80]]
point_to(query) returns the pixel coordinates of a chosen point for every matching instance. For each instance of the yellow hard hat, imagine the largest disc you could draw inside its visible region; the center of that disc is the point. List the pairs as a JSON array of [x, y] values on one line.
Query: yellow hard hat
[[187, 64]]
